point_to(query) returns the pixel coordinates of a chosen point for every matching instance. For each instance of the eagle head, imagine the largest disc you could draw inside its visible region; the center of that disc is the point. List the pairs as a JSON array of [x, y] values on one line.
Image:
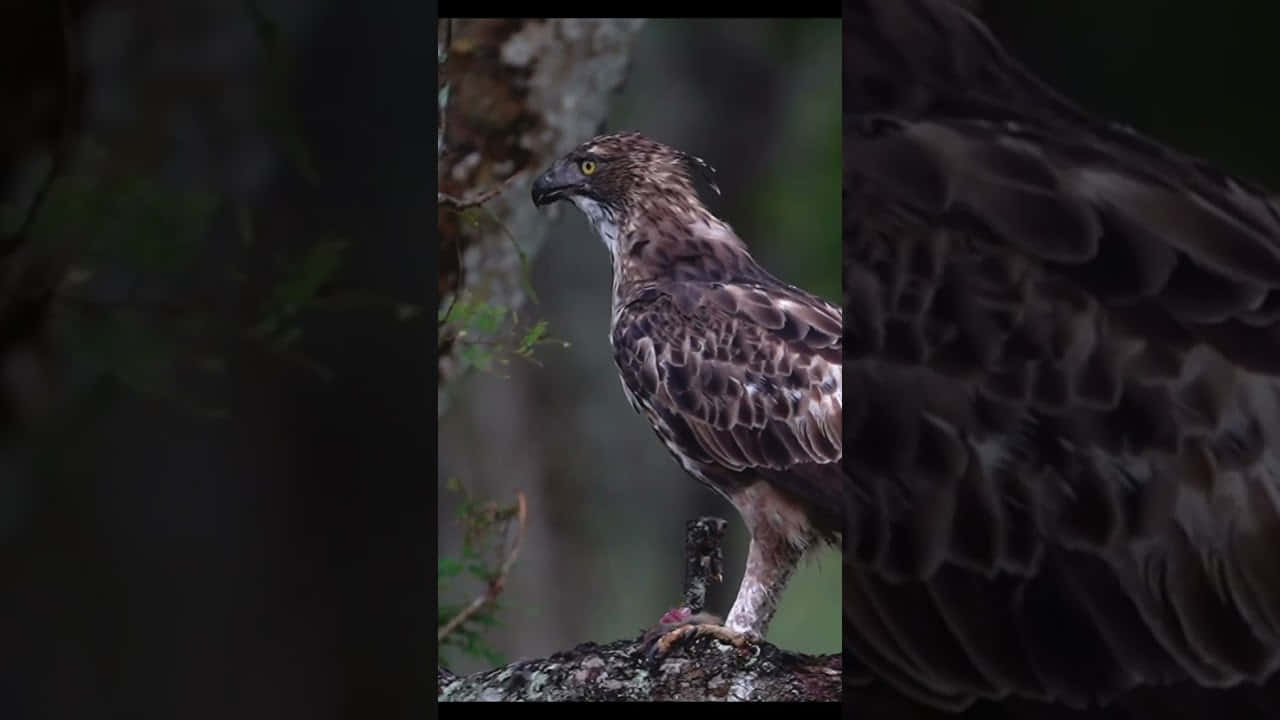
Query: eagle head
[[617, 169], [617, 180]]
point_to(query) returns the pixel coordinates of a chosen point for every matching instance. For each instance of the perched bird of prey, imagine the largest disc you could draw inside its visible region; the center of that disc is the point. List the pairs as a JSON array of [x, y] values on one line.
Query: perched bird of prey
[[737, 371], [1063, 372]]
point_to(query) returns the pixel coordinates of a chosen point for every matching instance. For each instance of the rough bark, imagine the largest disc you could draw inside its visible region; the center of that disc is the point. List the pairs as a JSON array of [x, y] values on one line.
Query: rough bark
[[514, 96], [705, 669], [703, 559], [701, 669]]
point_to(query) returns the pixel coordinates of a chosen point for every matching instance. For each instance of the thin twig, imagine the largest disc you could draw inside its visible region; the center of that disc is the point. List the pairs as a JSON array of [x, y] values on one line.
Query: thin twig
[[449, 201], [525, 272], [475, 200], [457, 290], [444, 319], [494, 588]]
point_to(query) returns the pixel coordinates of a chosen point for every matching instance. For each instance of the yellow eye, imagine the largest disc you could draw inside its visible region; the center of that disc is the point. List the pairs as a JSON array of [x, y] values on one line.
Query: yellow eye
[[588, 166]]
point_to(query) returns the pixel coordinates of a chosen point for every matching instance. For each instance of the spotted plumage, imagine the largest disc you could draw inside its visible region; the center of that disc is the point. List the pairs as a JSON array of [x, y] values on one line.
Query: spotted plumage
[[738, 372], [1063, 366]]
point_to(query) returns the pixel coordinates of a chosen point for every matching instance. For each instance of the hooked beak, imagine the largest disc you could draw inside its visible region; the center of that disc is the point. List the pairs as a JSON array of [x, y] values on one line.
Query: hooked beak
[[554, 184]]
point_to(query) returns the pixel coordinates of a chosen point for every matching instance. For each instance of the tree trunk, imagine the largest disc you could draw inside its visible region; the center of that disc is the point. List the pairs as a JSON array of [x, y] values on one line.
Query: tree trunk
[[515, 95]]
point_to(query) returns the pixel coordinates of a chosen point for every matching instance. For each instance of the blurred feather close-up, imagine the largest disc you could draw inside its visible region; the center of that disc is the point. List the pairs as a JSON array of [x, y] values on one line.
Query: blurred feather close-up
[[1063, 361]]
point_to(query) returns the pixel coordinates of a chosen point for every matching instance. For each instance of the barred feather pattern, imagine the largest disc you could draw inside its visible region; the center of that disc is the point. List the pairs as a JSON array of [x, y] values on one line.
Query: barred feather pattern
[[1063, 367]]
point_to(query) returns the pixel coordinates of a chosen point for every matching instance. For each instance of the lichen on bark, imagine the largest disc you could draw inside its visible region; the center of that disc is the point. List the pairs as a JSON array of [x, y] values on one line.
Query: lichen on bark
[[514, 96], [700, 669], [704, 670]]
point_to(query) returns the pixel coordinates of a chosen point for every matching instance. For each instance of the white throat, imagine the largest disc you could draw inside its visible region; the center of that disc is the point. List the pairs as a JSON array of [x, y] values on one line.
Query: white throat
[[602, 221]]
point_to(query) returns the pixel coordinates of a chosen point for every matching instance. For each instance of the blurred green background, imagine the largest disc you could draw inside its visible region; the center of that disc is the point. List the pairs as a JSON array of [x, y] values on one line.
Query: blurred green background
[[760, 101]]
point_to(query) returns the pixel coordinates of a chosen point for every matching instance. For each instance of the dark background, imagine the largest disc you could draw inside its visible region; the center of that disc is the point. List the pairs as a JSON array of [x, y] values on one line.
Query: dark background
[[214, 424], [1197, 76]]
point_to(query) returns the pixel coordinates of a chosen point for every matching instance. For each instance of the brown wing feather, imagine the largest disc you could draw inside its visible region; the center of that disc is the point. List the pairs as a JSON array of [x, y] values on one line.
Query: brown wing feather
[[742, 382], [1064, 384]]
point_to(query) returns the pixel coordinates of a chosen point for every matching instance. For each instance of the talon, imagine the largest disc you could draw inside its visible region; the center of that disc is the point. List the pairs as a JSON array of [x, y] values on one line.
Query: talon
[[669, 641], [660, 641]]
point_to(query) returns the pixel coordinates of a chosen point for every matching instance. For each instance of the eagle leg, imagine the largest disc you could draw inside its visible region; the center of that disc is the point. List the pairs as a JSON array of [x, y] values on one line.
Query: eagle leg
[[772, 557]]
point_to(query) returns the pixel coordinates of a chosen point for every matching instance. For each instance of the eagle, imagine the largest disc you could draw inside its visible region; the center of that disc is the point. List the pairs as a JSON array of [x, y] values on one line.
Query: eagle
[[738, 372], [1063, 372]]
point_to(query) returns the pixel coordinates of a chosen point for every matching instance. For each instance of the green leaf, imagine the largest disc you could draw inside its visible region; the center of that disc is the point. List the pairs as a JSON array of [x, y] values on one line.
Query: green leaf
[[476, 356], [315, 269], [448, 567], [487, 319], [531, 338], [459, 313]]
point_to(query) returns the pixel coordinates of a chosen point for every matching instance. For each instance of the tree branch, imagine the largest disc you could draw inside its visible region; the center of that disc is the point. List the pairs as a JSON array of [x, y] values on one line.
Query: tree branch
[[477, 199], [515, 96], [703, 669], [703, 559]]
